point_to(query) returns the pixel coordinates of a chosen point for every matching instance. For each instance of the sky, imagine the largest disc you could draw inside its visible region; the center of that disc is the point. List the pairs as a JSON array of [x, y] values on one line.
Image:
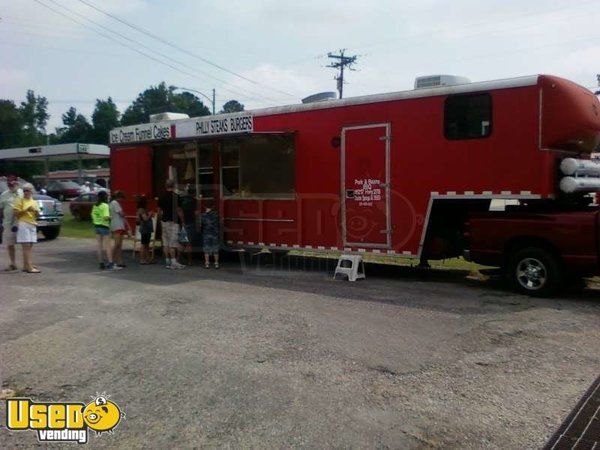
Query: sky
[[274, 52]]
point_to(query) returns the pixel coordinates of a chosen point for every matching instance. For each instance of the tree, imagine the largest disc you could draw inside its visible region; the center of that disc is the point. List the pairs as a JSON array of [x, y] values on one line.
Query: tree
[[159, 99], [189, 104], [232, 106], [34, 113], [104, 118], [11, 124], [76, 129]]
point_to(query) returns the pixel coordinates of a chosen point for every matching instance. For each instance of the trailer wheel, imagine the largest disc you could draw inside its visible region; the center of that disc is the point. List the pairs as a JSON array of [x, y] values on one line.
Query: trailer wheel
[[534, 271]]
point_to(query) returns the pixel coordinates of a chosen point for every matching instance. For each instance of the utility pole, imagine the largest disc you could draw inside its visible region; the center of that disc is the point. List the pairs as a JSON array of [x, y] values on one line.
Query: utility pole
[[341, 61]]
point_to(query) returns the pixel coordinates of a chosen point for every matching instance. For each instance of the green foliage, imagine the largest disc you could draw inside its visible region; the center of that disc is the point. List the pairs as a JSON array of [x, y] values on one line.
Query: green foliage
[[232, 106], [34, 111], [189, 104], [23, 125], [159, 99], [24, 169], [104, 118], [11, 124], [76, 129]]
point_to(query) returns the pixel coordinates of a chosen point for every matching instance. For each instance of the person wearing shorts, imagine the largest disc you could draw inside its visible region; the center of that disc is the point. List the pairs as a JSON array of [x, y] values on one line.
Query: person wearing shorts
[[119, 227], [210, 235], [145, 227], [170, 215], [26, 211], [101, 221], [9, 223]]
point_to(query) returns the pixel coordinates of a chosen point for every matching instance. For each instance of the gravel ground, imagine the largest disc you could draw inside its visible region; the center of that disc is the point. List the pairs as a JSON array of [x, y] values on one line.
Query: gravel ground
[[290, 358]]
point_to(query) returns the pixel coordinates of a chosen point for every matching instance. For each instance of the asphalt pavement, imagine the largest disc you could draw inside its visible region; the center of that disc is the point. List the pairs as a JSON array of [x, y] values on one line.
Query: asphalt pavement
[[282, 356]]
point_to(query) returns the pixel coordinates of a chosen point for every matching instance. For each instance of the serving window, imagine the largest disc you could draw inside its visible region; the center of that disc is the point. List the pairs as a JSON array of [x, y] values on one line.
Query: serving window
[[258, 167], [206, 183], [177, 162]]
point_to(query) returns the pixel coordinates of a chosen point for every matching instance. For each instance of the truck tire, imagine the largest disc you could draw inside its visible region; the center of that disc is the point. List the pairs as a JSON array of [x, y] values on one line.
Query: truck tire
[[51, 233], [534, 271]]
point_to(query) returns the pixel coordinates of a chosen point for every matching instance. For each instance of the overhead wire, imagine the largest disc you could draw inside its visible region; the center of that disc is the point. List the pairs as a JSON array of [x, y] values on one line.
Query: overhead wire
[[437, 32], [122, 36], [181, 49], [57, 48]]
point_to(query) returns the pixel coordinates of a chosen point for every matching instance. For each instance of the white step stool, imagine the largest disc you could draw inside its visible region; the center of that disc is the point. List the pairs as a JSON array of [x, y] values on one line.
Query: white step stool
[[349, 265]]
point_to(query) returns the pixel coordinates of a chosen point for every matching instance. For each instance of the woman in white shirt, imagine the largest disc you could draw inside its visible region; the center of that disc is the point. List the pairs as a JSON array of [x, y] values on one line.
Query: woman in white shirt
[[119, 227]]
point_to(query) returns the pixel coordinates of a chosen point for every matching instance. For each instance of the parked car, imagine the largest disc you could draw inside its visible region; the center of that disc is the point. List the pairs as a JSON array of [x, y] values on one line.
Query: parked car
[[81, 207], [50, 218], [63, 190], [97, 188]]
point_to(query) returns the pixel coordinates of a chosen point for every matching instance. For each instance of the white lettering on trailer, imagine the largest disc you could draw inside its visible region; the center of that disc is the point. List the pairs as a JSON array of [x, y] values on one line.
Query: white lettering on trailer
[[215, 125], [139, 133], [186, 128], [367, 191]]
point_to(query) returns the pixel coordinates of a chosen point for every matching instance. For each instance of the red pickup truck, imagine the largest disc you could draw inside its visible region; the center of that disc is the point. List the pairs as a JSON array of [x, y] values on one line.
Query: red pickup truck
[[539, 249]]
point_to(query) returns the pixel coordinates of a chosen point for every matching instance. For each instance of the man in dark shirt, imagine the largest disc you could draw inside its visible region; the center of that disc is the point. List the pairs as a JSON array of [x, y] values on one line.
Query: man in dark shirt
[[170, 214], [187, 203]]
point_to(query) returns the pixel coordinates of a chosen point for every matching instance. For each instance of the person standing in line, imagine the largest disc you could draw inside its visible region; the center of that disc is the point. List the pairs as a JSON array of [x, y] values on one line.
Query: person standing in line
[[170, 215], [101, 221], [146, 228], [27, 210], [188, 208], [119, 227], [9, 223], [210, 234]]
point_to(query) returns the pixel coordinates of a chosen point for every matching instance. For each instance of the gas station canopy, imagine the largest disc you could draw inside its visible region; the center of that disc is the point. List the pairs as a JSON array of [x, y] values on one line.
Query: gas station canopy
[[59, 152]]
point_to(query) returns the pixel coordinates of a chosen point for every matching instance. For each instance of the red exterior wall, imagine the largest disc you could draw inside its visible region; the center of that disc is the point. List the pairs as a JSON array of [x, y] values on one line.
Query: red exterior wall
[[422, 162], [133, 166]]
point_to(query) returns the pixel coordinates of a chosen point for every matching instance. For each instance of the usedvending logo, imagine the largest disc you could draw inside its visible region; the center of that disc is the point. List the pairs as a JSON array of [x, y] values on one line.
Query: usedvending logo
[[63, 421]]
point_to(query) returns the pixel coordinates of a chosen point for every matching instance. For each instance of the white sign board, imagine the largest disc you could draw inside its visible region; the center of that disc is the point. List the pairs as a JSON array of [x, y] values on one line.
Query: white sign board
[[159, 131], [215, 125]]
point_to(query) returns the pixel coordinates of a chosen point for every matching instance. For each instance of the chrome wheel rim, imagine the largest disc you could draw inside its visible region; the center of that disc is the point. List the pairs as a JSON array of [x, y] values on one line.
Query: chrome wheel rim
[[531, 274]]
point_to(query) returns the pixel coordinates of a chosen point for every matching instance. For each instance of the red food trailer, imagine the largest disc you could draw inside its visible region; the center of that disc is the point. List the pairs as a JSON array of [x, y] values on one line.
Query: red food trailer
[[395, 174]]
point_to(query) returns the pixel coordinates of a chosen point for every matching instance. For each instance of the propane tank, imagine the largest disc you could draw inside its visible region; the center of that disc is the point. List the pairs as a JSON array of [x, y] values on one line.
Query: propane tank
[[587, 167], [570, 185]]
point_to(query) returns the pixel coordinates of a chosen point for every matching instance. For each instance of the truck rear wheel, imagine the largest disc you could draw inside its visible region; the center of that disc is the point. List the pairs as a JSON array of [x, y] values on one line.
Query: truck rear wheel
[[534, 271], [51, 232]]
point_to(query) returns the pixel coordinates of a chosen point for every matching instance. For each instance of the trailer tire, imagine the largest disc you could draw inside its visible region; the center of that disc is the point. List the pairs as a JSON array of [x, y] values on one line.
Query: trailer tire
[[534, 271]]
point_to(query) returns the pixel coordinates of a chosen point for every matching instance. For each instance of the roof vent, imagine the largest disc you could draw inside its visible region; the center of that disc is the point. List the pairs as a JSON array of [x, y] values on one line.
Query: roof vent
[[320, 97], [430, 81], [161, 117]]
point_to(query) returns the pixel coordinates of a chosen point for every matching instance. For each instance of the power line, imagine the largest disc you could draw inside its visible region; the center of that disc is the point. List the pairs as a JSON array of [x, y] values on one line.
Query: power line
[[151, 49], [236, 93], [122, 36], [116, 40], [438, 32], [177, 47]]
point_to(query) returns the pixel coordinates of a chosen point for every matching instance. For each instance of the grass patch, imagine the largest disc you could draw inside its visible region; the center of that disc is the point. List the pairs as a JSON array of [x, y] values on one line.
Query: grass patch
[[447, 264], [75, 228]]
